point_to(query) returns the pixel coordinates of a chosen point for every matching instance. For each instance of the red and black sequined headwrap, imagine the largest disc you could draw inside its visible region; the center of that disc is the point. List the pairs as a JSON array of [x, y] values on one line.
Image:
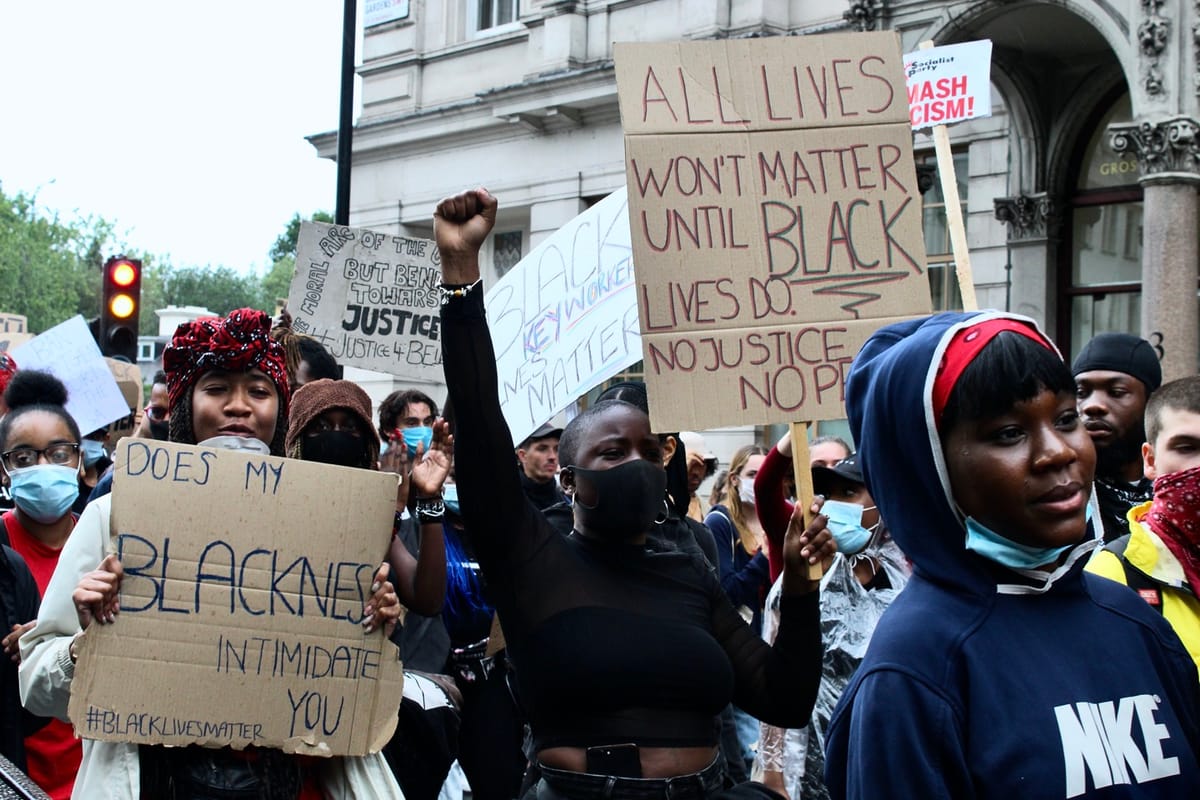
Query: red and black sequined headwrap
[[8, 368], [236, 343]]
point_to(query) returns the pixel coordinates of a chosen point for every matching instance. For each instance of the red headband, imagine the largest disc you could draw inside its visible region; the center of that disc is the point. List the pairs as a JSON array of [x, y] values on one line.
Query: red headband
[[962, 350], [240, 342]]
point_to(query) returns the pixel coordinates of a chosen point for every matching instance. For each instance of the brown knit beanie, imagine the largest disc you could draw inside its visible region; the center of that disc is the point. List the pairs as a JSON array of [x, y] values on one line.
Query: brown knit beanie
[[315, 398]]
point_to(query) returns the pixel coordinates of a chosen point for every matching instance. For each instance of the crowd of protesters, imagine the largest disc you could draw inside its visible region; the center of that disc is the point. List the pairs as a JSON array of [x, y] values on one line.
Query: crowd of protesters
[[995, 596]]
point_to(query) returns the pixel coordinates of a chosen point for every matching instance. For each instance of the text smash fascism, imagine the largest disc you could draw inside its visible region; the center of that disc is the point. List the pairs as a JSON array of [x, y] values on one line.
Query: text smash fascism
[[933, 102]]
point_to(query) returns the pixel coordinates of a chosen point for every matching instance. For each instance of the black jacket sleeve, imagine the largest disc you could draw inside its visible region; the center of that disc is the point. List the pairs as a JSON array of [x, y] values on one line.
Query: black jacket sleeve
[[502, 524]]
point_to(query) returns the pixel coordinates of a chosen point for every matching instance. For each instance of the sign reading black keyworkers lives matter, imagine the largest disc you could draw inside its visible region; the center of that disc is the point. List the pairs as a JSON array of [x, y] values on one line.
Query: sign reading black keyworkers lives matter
[[241, 606], [775, 219], [371, 298]]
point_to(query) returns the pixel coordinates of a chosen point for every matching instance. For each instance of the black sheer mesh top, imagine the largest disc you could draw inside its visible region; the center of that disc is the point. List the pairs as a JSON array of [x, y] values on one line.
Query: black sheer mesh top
[[612, 642]]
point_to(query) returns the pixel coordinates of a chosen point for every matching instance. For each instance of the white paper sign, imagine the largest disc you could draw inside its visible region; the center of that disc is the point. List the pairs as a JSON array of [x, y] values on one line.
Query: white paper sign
[[371, 298], [949, 84], [565, 318], [68, 352]]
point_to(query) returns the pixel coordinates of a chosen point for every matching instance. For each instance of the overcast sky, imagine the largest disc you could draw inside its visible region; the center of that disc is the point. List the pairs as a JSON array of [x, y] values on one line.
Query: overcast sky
[[183, 123]]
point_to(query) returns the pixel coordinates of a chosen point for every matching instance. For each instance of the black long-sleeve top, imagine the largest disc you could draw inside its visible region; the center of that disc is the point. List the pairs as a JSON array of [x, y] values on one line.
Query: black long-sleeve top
[[612, 642]]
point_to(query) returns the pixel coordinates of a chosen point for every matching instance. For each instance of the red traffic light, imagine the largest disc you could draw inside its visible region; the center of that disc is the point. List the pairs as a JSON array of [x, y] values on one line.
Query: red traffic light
[[124, 273], [122, 291]]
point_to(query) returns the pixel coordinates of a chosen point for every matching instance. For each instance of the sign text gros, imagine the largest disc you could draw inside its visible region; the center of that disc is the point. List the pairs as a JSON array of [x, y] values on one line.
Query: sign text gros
[[774, 216], [240, 626]]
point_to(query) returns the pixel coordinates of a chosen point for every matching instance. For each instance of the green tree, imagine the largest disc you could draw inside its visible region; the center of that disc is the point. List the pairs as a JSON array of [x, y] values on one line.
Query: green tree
[[278, 278], [285, 243], [277, 281], [49, 267], [219, 289]]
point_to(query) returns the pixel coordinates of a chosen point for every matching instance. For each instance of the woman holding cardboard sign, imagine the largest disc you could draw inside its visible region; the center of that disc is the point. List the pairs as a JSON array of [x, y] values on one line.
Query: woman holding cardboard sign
[[228, 387], [625, 653]]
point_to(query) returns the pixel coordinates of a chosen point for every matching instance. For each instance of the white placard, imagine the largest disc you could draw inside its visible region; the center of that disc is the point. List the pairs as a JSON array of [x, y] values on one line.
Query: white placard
[[565, 318], [949, 84], [69, 352], [370, 298]]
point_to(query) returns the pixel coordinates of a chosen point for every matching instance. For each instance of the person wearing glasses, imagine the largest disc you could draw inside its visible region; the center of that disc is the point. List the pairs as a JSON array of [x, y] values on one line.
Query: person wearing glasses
[[228, 388], [156, 417], [40, 463]]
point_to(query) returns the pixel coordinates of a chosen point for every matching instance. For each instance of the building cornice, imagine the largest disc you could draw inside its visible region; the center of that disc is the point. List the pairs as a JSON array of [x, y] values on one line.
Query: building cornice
[[1028, 216], [542, 104], [1166, 151]]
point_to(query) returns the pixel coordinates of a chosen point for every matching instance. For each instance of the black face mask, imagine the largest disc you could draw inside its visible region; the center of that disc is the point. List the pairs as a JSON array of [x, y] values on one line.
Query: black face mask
[[629, 498], [335, 447], [160, 430]]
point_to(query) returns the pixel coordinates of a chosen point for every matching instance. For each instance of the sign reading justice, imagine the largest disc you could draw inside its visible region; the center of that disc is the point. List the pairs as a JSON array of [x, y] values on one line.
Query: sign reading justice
[[371, 298], [775, 219], [241, 606]]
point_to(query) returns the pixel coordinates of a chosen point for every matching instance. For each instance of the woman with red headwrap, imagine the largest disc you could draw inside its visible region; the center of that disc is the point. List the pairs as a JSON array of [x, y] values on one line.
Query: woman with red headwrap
[[228, 387]]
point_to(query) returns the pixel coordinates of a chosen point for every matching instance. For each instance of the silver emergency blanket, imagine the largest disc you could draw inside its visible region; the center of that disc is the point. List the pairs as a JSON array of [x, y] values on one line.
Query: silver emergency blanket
[[849, 613]]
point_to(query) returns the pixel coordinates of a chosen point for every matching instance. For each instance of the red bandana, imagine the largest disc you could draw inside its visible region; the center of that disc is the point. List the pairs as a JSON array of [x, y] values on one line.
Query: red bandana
[[1175, 516], [964, 347], [240, 342]]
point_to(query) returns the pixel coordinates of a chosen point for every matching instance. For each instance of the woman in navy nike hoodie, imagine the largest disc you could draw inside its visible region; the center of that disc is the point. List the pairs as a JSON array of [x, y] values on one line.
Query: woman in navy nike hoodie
[[1003, 670]]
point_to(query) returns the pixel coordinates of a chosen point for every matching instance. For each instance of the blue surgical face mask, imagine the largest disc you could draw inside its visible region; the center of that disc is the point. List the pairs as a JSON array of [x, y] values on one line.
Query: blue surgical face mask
[[93, 451], [45, 492], [994, 547], [414, 436], [845, 523], [450, 498]]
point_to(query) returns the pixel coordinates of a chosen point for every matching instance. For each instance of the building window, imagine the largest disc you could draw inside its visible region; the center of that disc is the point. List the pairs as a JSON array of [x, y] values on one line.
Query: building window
[[494, 13], [145, 351], [506, 251], [943, 283], [1101, 283]]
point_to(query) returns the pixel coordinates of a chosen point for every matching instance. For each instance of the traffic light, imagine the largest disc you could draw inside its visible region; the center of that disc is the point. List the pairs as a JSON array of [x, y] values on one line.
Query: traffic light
[[121, 303]]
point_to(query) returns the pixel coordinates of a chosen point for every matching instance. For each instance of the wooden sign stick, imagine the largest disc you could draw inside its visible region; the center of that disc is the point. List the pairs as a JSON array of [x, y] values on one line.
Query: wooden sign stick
[[802, 472], [954, 217]]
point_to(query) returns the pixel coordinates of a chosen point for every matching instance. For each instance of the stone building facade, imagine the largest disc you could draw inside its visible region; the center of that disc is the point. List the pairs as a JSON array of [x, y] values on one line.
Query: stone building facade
[[1080, 192]]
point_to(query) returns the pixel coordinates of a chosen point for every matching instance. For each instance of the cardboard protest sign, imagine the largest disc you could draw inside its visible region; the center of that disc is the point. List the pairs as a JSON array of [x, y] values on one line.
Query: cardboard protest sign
[[949, 84], [11, 341], [245, 580], [565, 318], [69, 352], [775, 219], [12, 323], [371, 298]]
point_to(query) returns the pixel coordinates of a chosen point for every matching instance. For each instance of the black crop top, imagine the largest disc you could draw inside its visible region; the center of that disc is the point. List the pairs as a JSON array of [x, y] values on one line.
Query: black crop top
[[612, 642]]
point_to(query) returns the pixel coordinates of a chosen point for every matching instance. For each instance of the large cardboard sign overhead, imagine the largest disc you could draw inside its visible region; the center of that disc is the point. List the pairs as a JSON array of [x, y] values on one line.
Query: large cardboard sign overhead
[[565, 318], [245, 580], [775, 219], [69, 352], [371, 298], [949, 84]]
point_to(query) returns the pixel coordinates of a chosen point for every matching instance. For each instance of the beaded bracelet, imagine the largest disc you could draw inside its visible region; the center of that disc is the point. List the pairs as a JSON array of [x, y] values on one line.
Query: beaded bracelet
[[430, 509], [453, 292]]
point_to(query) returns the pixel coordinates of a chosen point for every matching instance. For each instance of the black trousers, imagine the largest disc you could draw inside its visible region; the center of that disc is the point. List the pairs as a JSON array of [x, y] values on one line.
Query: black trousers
[[490, 735]]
